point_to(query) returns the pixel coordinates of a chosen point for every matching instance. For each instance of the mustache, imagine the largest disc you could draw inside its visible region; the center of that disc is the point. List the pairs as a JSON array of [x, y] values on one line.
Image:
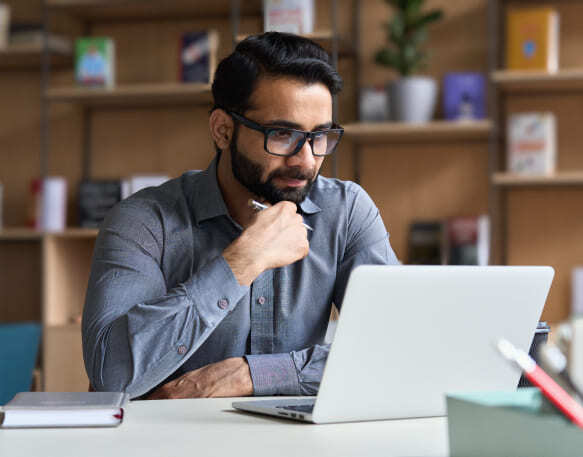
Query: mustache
[[292, 174]]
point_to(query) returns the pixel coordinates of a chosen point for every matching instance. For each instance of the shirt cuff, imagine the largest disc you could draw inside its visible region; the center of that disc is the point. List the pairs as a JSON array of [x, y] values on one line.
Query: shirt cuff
[[273, 374]]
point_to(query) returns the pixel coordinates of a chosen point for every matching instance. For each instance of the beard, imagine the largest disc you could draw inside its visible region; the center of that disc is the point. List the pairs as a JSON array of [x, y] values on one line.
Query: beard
[[249, 174]]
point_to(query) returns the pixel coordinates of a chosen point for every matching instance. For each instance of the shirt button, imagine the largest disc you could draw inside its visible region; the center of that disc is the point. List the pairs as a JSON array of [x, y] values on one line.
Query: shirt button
[[182, 349], [261, 300], [223, 303]]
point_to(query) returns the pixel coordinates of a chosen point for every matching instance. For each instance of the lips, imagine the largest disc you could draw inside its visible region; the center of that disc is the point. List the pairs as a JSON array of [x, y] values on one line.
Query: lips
[[292, 182]]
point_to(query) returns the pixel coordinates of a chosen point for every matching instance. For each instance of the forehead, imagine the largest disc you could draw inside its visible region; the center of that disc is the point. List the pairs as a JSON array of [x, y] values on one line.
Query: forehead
[[307, 104]]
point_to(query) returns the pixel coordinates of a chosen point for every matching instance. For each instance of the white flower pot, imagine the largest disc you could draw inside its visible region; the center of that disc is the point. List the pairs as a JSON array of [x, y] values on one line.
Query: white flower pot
[[412, 99]]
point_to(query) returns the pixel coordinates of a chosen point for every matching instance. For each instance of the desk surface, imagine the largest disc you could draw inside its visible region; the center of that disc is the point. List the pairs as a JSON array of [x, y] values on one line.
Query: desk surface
[[210, 427]]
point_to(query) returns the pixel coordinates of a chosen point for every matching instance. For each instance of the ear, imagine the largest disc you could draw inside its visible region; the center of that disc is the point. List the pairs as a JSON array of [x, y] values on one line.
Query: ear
[[221, 127]]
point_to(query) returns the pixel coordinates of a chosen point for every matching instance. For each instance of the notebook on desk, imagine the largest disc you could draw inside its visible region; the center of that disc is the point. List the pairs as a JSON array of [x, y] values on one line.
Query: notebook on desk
[[407, 335]]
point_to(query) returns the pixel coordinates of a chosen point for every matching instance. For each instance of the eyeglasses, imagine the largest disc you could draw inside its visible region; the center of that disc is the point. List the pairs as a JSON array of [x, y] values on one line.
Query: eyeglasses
[[283, 141]]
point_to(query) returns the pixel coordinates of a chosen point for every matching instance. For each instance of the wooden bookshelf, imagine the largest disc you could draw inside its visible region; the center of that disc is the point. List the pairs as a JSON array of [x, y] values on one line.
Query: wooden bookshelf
[[377, 132], [565, 178], [18, 57], [139, 10], [525, 81], [135, 95]]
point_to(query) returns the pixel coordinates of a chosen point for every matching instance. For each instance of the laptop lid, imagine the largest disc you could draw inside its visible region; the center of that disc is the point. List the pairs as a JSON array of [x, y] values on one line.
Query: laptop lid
[[409, 334]]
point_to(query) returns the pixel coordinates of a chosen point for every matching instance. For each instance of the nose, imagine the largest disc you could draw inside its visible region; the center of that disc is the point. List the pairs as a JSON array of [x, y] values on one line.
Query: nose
[[304, 158]]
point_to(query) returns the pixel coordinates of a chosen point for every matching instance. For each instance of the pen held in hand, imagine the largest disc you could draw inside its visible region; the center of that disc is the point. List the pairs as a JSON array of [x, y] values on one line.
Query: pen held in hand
[[260, 207]]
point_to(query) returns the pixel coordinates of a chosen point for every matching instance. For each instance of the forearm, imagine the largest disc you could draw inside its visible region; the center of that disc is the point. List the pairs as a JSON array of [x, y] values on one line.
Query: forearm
[[135, 347]]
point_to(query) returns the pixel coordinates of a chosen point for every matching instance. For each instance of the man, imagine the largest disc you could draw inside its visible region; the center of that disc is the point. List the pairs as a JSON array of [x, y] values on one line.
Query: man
[[193, 293]]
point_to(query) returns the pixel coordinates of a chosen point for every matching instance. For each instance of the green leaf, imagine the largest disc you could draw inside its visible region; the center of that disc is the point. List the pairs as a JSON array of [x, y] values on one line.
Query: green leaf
[[397, 29], [387, 58], [426, 19], [413, 8], [418, 36]]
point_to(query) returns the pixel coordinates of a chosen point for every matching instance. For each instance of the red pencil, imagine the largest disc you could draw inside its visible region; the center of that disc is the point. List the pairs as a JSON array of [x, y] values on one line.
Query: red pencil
[[537, 376]]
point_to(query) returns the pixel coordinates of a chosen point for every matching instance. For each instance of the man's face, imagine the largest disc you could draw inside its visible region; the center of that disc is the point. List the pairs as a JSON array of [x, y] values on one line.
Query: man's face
[[281, 103]]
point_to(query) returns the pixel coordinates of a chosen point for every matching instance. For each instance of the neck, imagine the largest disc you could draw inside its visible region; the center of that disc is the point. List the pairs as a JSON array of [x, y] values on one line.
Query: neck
[[235, 195]]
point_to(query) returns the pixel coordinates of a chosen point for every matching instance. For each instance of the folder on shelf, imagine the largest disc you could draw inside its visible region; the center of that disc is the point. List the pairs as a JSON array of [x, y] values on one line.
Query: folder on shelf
[[507, 424]]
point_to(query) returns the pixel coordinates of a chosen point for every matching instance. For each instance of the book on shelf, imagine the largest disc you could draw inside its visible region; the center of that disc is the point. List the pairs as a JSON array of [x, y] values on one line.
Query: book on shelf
[[136, 183], [467, 240], [464, 96], [95, 61], [532, 143], [198, 56], [32, 35], [532, 38], [64, 409], [4, 25], [49, 204], [291, 16], [96, 198], [425, 243]]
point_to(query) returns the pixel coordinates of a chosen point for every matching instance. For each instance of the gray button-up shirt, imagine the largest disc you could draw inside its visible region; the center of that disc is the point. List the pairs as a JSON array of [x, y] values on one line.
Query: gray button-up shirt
[[162, 300]]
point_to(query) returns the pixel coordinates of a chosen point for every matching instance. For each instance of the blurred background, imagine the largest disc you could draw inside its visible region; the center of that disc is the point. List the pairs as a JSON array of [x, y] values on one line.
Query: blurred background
[[462, 121]]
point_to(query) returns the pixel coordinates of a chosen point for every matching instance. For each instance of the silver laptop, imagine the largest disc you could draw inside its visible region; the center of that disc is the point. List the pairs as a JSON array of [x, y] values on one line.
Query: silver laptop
[[407, 335]]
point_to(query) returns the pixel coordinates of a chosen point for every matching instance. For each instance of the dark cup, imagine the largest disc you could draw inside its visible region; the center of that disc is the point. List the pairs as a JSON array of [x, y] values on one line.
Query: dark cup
[[541, 335]]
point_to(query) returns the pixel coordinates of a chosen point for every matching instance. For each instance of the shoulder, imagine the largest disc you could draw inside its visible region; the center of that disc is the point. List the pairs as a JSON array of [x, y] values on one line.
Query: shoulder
[[331, 193], [156, 206]]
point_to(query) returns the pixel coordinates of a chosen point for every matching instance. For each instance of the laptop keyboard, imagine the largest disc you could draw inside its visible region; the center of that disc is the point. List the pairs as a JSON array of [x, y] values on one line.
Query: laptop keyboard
[[299, 408]]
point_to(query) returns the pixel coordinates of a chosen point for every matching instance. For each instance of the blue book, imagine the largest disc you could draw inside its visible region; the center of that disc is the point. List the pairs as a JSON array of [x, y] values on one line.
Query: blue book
[[464, 96]]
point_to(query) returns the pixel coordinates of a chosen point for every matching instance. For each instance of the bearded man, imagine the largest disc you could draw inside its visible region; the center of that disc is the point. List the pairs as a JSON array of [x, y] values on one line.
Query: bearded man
[[195, 293]]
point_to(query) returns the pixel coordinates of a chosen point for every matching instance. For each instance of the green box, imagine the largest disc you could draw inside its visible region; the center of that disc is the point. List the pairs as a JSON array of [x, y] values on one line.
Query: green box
[[508, 424]]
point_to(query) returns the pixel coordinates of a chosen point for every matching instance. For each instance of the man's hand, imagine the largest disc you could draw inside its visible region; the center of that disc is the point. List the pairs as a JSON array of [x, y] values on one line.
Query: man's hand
[[228, 378], [277, 237]]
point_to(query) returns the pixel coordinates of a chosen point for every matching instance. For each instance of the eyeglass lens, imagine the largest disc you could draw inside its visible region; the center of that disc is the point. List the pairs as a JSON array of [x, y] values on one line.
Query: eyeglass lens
[[285, 142]]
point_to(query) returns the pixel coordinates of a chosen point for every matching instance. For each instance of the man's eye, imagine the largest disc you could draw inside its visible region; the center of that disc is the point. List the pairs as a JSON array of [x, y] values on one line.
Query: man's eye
[[281, 134]]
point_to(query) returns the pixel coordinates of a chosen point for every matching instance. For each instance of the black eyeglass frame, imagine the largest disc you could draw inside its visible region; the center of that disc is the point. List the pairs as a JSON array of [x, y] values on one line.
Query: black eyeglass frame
[[307, 136]]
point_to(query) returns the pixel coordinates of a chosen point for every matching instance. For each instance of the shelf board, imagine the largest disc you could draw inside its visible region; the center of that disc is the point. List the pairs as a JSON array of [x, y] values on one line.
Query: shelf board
[[570, 178], [74, 233], [135, 10], [19, 57], [519, 81], [135, 95], [383, 132], [27, 234], [324, 38], [20, 234]]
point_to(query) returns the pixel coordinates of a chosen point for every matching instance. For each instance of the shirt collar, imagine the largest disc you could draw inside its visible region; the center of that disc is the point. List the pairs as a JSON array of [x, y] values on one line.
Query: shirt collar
[[207, 200]]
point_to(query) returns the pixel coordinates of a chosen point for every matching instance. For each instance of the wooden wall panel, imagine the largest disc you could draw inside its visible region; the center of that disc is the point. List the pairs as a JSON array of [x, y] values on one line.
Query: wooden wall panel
[[20, 281], [545, 227], [431, 181]]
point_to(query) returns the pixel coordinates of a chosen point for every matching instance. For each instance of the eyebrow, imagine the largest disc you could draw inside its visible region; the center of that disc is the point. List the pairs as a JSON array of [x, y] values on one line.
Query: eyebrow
[[293, 125]]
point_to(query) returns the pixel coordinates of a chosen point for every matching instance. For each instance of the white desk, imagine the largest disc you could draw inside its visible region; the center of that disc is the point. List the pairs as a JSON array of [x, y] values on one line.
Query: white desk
[[210, 427]]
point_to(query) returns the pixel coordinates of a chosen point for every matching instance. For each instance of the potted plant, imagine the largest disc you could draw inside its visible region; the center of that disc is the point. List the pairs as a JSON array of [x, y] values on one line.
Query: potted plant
[[411, 98]]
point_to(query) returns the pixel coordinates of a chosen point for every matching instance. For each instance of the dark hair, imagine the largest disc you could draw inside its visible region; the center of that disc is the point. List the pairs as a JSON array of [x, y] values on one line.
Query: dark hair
[[270, 54]]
